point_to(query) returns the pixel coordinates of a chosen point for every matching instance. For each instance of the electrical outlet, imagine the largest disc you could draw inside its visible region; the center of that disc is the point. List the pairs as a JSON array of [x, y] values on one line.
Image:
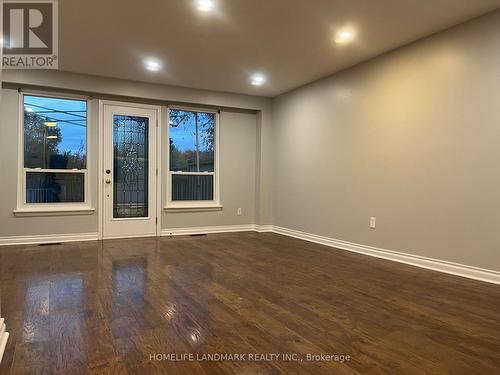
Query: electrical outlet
[[373, 222], [239, 211]]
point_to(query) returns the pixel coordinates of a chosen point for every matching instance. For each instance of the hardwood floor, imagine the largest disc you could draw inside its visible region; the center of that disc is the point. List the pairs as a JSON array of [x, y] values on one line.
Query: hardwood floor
[[108, 307]]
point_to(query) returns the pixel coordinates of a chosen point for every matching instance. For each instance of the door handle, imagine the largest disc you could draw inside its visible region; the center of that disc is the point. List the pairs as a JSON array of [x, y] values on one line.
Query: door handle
[[108, 181]]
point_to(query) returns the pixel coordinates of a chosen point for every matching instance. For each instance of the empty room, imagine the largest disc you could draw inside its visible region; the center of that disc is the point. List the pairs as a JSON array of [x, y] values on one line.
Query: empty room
[[250, 187]]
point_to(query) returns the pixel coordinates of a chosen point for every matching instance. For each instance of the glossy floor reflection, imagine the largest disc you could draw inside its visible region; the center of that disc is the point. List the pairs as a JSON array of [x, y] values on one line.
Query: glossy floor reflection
[[106, 307]]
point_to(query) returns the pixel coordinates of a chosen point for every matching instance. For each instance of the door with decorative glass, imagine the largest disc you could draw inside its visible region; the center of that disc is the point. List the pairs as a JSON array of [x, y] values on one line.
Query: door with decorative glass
[[129, 175]]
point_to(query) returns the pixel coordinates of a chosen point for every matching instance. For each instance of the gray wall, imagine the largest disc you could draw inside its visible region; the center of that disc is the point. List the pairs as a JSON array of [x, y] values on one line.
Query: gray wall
[[411, 137], [238, 155], [245, 165], [25, 226], [122, 88]]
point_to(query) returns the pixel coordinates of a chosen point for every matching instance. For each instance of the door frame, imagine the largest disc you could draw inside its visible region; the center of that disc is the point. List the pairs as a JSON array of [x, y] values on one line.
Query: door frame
[[100, 174]]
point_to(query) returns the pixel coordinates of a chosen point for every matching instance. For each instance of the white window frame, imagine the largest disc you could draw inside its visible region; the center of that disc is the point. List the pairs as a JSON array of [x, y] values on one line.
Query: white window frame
[[34, 209], [182, 205]]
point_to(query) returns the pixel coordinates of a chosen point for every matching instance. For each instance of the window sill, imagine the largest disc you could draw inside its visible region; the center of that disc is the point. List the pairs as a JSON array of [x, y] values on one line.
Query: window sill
[[54, 211], [193, 207]]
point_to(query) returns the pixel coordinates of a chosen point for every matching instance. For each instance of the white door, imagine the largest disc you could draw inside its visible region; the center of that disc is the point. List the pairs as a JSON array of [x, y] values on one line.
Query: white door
[[129, 171]]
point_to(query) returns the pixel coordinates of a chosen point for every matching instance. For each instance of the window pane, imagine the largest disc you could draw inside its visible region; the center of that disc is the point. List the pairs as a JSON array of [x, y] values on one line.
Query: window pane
[[192, 141], [58, 187], [55, 133], [130, 166], [192, 187]]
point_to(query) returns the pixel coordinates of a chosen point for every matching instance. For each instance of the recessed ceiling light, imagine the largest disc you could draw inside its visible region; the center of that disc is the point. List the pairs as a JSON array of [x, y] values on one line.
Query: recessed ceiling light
[[204, 5], [258, 79], [152, 65], [344, 36]]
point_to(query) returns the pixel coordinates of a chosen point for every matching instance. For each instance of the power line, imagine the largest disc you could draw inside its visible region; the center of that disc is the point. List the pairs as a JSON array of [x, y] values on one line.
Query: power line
[[71, 122]]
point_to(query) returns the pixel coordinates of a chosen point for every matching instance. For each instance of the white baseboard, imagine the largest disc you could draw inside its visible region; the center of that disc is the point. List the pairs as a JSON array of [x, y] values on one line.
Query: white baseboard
[[47, 238], [263, 228], [414, 260], [207, 230], [3, 338], [470, 272]]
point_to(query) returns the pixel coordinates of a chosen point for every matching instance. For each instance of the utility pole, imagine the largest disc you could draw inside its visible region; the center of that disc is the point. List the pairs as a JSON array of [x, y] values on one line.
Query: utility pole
[[197, 144], [45, 156]]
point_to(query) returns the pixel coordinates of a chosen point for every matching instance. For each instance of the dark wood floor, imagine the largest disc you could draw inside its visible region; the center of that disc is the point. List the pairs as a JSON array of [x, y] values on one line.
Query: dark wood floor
[[105, 307]]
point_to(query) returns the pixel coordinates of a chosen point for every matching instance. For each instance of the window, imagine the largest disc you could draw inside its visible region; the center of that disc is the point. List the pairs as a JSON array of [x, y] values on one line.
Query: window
[[193, 158], [55, 150]]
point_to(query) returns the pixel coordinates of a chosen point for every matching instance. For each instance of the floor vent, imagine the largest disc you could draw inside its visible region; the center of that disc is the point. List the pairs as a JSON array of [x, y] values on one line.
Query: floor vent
[[50, 244], [197, 235]]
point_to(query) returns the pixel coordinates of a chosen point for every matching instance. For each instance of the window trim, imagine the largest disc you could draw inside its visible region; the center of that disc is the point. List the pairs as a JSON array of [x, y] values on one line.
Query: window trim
[[214, 204], [37, 209]]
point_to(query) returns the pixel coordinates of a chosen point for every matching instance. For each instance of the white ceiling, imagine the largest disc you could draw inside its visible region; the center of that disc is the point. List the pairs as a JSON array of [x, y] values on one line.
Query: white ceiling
[[290, 41]]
